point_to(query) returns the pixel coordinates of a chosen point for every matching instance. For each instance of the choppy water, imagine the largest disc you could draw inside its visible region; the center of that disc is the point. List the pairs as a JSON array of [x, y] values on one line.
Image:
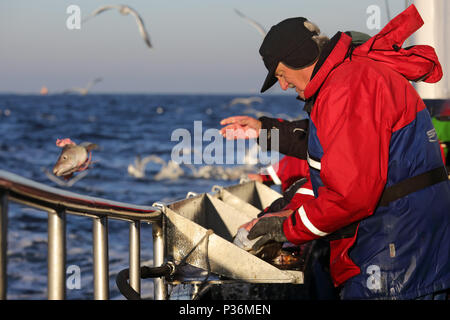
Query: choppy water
[[124, 126]]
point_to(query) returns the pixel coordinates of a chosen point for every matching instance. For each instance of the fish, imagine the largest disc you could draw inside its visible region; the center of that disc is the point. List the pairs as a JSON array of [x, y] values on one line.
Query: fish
[[73, 157], [283, 259]]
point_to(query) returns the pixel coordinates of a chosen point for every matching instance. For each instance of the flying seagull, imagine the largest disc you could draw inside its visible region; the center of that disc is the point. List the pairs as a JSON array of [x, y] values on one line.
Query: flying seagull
[[255, 24], [246, 101], [83, 91], [138, 169], [124, 10], [169, 170]]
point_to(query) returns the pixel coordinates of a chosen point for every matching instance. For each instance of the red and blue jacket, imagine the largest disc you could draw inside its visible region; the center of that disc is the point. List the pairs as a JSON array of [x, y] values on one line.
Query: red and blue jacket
[[285, 173], [370, 130]]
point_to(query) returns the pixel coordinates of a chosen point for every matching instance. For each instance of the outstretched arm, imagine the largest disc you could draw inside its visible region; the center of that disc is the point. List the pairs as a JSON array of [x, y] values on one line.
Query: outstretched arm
[[240, 127]]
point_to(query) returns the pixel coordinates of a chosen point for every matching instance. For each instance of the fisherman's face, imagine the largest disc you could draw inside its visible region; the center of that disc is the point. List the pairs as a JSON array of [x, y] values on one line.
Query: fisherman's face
[[294, 78]]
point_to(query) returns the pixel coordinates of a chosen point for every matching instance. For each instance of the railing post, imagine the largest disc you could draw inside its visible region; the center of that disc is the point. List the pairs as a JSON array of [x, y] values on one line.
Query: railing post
[[101, 267], [56, 255], [160, 287], [3, 243], [135, 255]]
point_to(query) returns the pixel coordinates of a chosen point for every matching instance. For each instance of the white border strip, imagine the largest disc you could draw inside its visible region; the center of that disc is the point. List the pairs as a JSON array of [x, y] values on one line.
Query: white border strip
[[273, 175], [313, 163], [308, 223]]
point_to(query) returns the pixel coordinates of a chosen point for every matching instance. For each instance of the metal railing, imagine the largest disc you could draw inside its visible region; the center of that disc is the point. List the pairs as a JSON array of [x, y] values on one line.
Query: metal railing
[[58, 203]]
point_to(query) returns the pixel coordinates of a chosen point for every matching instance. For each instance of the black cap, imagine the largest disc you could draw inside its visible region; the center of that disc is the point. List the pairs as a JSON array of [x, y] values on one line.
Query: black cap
[[289, 42]]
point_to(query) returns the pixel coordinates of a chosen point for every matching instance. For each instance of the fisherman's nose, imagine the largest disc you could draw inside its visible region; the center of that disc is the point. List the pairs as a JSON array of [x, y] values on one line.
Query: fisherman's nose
[[283, 84]]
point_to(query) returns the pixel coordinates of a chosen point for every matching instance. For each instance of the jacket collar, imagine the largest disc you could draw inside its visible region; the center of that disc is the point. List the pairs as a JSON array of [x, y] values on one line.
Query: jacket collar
[[327, 63]]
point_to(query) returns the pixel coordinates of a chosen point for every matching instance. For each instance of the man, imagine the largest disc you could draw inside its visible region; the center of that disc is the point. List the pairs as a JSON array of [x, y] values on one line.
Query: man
[[382, 196]]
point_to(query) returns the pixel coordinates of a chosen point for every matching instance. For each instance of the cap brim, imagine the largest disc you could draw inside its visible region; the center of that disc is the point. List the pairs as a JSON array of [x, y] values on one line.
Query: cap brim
[[270, 79]]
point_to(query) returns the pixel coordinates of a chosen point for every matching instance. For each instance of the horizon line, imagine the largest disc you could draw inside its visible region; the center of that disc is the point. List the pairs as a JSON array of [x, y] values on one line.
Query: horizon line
[[145, 93]]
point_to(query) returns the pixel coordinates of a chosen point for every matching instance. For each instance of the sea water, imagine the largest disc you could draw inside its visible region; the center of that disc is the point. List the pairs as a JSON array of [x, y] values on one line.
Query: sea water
[[124, 126]]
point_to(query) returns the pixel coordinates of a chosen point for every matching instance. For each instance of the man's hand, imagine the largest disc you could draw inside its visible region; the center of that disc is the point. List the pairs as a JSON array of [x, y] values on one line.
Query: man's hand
[[240, 127], [255, 177], [241, 239], [270, 229]]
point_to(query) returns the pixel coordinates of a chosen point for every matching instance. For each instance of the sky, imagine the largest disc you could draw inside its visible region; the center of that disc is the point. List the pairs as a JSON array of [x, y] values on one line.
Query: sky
[[199, 46]]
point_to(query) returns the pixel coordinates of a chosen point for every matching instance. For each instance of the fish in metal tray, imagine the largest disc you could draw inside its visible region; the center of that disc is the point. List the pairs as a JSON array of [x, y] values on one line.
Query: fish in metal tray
[[285, 258]]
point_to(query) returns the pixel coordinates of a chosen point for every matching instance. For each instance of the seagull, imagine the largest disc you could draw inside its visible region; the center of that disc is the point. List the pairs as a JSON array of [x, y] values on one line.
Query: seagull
[[170, 170], [124, 10], [138, 169], [257, 113], [83, 91], [255, 24], [246, 101]]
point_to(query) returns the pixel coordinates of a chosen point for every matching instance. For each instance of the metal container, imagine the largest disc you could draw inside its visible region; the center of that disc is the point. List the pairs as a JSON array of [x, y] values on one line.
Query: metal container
[[188, 221]]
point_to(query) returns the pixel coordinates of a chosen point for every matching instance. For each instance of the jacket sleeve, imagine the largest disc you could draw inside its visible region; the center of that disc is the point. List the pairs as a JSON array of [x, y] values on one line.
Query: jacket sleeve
[[291, 169], [286, 171], [293, 136], [353, 168], [304, 194]]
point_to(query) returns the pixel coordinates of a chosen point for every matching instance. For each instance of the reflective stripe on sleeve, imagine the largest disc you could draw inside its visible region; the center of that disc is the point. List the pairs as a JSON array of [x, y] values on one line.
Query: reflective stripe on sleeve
[[313, 163], [308, 223], [273, 175], [306, 191]]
